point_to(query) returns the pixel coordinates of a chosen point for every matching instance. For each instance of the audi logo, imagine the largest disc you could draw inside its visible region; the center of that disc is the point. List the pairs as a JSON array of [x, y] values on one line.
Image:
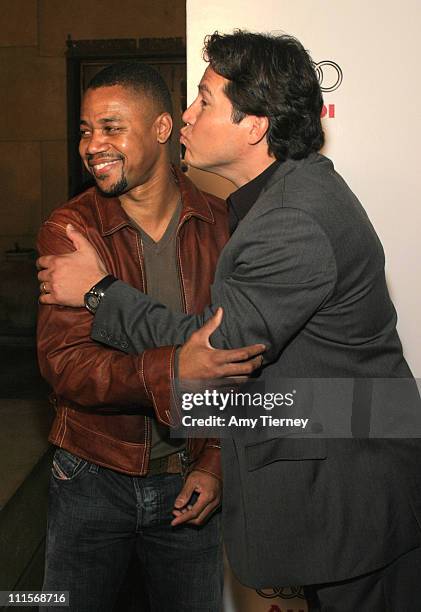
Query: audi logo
[[282, 592], [329, 75]]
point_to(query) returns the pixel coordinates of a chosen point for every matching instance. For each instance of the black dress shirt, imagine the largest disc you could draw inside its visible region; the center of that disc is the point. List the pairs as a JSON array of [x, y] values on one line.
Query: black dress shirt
[[240, 201]]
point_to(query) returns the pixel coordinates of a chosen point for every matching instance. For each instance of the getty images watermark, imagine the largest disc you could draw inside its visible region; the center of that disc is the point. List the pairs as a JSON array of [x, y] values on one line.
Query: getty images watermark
[[221, 401], [322, 408]]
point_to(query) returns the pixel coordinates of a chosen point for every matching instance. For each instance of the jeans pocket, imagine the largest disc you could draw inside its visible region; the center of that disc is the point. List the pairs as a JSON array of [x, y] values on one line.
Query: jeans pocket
[[67, 466]]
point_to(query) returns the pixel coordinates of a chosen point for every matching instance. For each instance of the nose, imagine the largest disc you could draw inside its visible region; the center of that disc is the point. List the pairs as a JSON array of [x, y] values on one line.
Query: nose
[[189, 115], [95, 143]]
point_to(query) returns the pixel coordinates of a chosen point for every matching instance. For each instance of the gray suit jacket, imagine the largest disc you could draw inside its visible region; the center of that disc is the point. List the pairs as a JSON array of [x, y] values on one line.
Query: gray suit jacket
[[304, 274]]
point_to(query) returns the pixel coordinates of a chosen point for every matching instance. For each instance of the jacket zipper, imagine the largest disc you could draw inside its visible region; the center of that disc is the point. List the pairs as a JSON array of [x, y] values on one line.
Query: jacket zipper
[[187, 455], [179, 268], [140, 253], [139, 242]]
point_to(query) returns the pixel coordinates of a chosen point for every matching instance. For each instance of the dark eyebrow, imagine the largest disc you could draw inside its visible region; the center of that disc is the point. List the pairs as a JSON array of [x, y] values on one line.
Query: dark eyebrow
[[104, 120], [204, 87], [110, 119]]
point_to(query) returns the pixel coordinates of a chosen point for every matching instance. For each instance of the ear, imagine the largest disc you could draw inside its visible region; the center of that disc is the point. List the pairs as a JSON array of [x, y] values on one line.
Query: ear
[[258, 128], [163, 127]]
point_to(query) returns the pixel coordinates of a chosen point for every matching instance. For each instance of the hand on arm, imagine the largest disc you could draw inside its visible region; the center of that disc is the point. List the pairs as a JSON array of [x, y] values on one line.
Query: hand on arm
[[64, 279], [199, 360]]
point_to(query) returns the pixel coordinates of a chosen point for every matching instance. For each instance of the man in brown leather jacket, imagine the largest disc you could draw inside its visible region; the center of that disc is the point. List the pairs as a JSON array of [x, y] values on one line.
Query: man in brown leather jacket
[[117, 478]]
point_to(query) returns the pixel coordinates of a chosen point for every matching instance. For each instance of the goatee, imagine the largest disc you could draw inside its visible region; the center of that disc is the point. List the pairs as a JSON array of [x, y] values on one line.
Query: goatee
[[115, 190]]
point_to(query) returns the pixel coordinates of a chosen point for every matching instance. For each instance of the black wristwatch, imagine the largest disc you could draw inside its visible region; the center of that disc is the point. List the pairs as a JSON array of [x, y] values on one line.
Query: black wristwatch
[[96, 293]]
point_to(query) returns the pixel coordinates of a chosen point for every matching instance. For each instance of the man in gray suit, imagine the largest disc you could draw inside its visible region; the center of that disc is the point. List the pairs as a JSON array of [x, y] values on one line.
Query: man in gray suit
[[304, 274]]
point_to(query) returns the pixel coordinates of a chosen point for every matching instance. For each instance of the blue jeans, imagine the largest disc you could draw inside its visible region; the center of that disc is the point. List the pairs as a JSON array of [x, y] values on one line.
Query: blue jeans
[[99, 518]]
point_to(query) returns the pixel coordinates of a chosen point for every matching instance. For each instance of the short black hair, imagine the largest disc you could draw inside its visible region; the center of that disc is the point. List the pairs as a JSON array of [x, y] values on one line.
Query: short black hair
[[139, 77], [274, 77]]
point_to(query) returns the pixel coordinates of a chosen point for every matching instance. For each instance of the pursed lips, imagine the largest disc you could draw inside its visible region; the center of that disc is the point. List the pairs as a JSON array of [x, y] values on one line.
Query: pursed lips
[[183, 137]]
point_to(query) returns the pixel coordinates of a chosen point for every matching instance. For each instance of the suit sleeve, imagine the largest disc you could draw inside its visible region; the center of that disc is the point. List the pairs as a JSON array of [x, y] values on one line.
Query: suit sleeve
[[280, 276], [93, 375]]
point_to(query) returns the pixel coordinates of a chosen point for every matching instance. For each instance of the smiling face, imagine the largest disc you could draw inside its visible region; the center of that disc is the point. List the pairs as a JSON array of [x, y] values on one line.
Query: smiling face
[[213, 141], [121, 138]]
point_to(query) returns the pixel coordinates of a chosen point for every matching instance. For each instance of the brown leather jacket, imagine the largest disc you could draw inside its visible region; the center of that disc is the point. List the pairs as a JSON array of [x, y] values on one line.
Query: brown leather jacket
[[105, 398]]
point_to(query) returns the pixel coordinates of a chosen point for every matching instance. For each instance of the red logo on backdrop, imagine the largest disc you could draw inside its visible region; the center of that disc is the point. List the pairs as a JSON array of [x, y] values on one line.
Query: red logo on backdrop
[[328, 111], [330, 77]]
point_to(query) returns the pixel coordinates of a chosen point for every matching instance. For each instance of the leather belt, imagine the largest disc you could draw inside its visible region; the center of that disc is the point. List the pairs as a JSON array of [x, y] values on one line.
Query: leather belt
[[172, 464]]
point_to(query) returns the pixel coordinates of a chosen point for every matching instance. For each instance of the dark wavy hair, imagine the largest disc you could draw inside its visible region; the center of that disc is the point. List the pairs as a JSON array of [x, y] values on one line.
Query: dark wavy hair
[[139, 77], [271, 76]]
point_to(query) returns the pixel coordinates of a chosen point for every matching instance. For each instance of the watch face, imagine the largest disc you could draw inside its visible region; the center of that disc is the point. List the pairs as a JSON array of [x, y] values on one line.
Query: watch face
[[92, 301]]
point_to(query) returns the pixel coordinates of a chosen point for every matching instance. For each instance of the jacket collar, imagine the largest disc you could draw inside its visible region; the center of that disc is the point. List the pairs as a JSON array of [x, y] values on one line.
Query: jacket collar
[[112, 216], [290, 165]]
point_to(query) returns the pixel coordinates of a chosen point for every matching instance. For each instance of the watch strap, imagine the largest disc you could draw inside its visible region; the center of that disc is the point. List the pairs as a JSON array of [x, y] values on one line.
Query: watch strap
[[101, 287], [94, 296]]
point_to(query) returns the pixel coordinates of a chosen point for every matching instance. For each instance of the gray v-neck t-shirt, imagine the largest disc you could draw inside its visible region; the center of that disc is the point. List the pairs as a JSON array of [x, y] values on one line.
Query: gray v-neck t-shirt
[[163, 284]]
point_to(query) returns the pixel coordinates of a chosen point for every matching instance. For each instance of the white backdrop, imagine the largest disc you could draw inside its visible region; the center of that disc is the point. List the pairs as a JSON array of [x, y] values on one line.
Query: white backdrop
[[375, 133], [373, 130]]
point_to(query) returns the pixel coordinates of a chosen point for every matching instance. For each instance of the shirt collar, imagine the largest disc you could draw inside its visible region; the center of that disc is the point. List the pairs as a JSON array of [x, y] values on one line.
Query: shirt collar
[[242, 200], [112, 216]]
